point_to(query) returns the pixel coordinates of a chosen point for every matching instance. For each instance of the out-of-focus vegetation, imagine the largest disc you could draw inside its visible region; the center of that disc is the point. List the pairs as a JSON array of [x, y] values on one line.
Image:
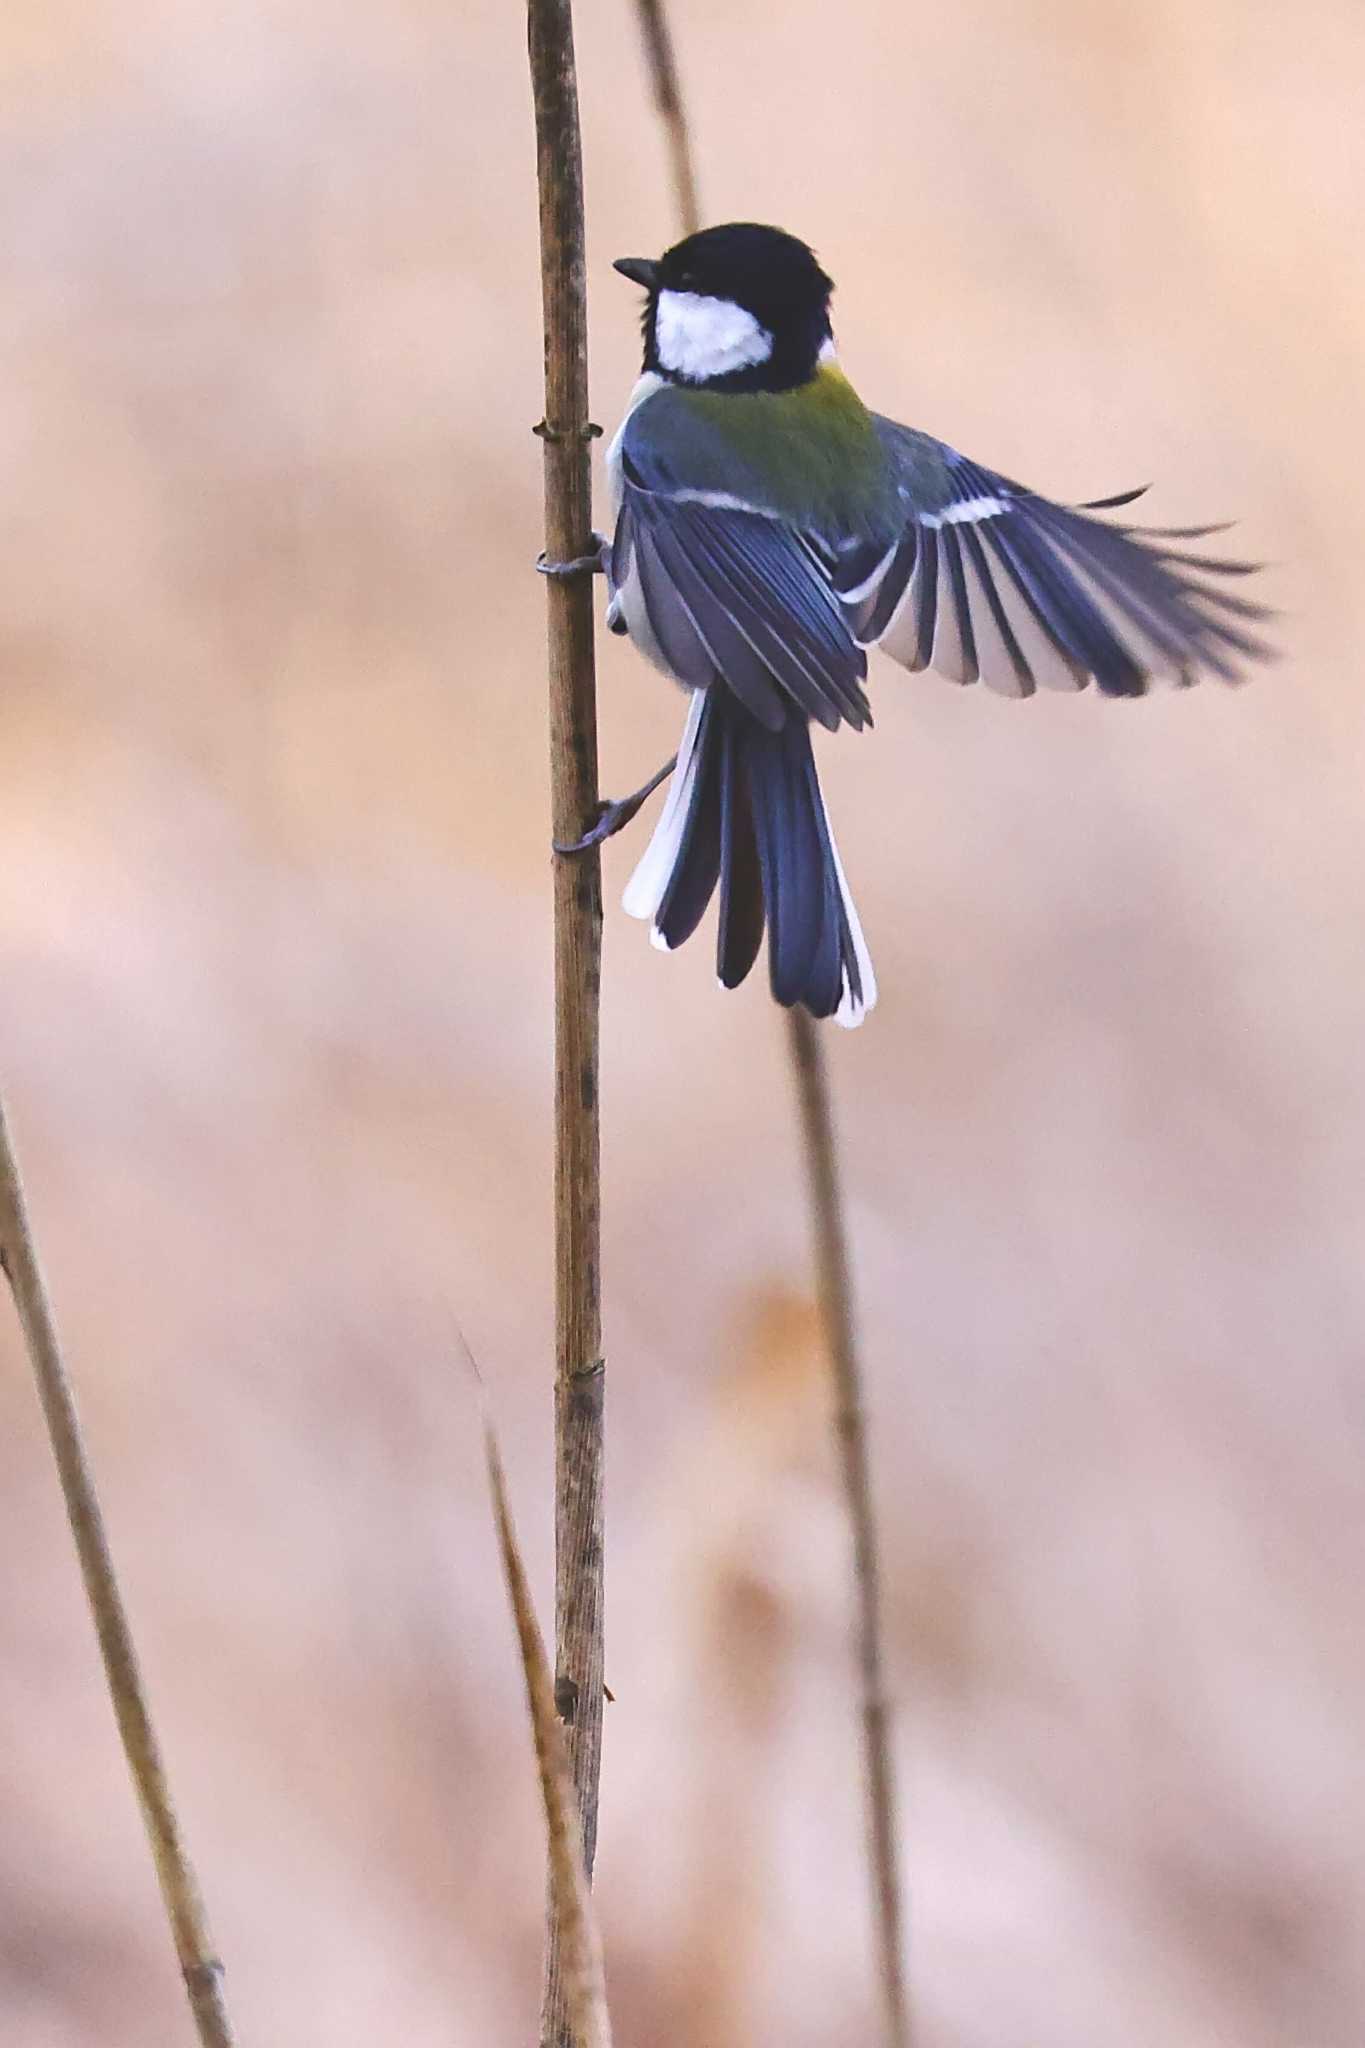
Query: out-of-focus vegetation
[[274, 1028]]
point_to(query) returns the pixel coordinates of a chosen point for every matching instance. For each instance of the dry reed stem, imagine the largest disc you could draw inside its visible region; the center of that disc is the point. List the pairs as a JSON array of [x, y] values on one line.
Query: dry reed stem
[[579, 1365], [580, 1949], [833, 1282], [663, 77], [199, 1965], [835, 1291]]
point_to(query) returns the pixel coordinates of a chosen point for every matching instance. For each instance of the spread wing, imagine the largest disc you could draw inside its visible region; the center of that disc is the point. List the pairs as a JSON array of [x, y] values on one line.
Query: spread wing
[[988, 580], [732, 591]]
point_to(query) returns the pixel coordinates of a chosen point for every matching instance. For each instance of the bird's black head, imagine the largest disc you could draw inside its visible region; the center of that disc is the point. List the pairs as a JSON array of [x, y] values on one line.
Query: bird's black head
[[736, 308]]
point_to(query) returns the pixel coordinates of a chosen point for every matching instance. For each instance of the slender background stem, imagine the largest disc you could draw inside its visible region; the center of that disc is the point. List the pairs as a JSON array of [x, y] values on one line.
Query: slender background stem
[[834, 1286], [199, 1965], [663, 76], [585, 1991], [580, 1368], [833, 1282]]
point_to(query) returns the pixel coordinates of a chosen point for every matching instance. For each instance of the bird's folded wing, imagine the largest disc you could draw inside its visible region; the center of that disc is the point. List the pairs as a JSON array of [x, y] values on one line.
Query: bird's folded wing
[[735, 593], [988, 580]]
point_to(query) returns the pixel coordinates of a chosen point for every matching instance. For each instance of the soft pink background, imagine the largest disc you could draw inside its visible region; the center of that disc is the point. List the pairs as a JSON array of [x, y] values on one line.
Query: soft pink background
[[274, 1032]]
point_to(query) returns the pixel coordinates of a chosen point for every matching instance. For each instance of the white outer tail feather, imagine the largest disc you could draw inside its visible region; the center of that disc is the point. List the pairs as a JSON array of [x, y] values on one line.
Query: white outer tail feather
[[645, 889], [852, 1009]]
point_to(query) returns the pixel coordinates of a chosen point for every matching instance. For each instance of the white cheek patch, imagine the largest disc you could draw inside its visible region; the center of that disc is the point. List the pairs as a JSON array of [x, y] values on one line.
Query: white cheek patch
[[702, 338]]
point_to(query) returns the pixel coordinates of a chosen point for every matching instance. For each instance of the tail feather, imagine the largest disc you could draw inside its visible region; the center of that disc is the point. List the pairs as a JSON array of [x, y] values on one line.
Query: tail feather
[[745, 812], [740, 932], [803, 936], [645, 889], [697, 866]]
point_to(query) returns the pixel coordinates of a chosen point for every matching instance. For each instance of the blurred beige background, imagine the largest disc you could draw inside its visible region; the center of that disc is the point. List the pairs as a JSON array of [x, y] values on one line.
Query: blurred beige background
[[273, 909]]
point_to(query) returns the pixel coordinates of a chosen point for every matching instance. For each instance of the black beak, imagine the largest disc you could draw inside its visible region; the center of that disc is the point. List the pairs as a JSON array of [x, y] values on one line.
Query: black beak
[[639, 269]]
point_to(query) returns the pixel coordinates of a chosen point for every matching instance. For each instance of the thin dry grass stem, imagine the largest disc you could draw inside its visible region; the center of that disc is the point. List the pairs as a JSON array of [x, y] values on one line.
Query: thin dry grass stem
[[199, 1964], [580, 1950], [579, 1364], [834, 1285], [662, 62]]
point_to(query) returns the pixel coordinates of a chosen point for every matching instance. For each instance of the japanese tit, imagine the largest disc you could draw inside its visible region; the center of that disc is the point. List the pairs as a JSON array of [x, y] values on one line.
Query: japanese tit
[[769, 529]]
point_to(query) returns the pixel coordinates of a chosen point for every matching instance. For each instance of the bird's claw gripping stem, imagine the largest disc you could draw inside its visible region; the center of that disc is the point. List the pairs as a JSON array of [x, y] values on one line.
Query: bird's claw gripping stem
[[594, 564], [612, 816]]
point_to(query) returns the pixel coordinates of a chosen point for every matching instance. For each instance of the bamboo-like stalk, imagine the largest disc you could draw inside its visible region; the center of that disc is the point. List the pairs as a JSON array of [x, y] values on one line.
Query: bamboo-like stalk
[[833, 1282], [580, 1369], [199, 1964]]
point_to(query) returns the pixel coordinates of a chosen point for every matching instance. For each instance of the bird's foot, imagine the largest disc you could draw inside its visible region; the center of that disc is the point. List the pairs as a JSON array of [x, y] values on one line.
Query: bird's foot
[[594, 564], [613, 816]]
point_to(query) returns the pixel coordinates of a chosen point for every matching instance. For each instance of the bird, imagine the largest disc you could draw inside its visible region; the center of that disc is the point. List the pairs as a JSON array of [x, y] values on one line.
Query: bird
[[769, 530]]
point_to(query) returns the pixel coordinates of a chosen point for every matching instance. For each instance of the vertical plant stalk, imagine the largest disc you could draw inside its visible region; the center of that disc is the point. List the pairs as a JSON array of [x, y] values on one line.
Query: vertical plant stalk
[[833, 1286], [585, 1989], [835, 1290], [662, 64], [580, 1368], [199, 1964]]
